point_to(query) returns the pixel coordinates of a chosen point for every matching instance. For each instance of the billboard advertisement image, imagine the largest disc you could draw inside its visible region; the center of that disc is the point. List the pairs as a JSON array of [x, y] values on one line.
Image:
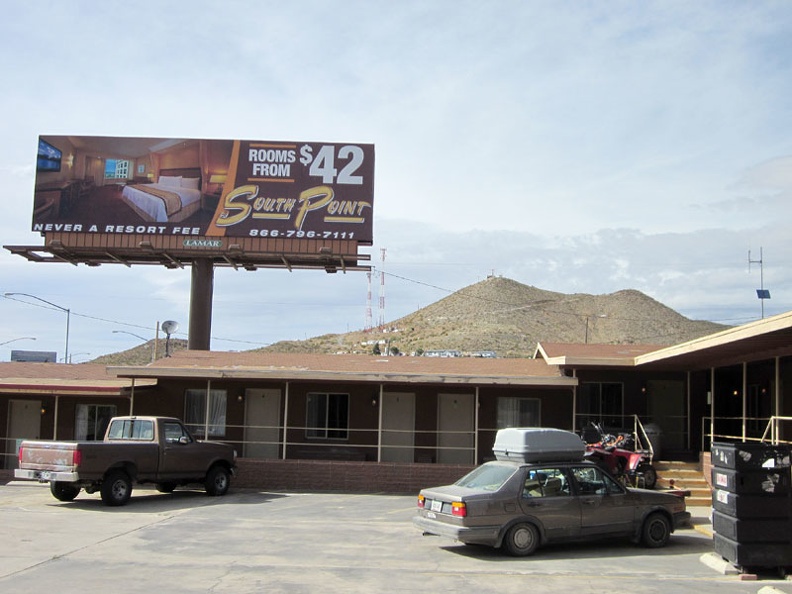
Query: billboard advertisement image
[[108, 186]]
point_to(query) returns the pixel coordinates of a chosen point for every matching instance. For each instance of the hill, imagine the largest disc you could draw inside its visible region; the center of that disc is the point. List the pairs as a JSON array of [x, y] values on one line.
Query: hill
[[509, 318], [141, 354]]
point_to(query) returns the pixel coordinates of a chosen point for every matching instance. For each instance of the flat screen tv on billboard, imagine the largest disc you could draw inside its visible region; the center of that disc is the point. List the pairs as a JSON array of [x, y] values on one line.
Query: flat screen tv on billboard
[[209, 188]]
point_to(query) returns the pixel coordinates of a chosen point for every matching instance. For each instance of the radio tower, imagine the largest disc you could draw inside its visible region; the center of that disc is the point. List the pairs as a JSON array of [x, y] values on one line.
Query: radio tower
[[382, 290], [367, 327]]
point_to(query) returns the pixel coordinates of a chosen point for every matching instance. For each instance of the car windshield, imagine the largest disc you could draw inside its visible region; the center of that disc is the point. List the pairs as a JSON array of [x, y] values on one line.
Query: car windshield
[[489, 477]]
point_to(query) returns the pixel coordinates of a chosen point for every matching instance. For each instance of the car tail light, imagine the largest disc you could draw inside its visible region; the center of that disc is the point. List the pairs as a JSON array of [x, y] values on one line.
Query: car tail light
[[21, 455], [459, 509], [76, 457], [421, 501]]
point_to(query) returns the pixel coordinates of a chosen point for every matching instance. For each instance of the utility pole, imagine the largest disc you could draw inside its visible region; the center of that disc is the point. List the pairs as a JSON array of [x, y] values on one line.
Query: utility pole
[[761, 292]]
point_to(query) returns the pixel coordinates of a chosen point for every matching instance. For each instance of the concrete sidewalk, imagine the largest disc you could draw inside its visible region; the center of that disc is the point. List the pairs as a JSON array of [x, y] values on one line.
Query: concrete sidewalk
[[701, 519]]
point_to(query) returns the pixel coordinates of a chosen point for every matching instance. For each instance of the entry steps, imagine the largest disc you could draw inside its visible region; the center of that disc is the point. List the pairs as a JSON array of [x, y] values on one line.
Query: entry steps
[[687, 476]]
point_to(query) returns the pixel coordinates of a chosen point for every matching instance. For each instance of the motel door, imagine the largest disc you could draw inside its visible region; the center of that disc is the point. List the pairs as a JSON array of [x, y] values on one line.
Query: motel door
[[666, 408], [455, 426], [24, 422], [262, 423], [398, 427]]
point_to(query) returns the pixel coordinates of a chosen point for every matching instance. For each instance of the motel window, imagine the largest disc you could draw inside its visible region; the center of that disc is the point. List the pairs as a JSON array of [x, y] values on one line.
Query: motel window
[[92, 420], [600, 403], [519, 412], [327, 415], [196, 411]]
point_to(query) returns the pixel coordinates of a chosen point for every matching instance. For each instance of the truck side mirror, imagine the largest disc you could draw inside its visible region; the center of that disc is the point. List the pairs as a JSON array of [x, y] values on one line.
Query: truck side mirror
[[184, 440]]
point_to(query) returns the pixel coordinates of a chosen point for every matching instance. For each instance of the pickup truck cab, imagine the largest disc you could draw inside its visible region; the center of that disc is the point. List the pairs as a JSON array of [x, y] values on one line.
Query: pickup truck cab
[[155, 450]]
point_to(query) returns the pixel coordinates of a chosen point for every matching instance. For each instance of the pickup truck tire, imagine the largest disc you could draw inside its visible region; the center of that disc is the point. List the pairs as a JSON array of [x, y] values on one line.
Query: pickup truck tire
[[116, 488], [64, 491], [217, 482]]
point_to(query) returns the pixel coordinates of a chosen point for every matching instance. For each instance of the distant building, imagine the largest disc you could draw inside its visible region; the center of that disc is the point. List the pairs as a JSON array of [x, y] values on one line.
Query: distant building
[[34, 356], [442, 353], [484, 354]]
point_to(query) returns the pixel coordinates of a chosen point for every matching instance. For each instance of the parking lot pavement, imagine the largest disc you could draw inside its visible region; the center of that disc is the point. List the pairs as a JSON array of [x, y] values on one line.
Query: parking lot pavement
[[251, 541]]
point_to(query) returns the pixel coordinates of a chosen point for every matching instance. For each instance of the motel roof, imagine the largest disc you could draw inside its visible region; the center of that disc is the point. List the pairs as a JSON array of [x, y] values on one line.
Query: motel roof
[[83, 379], [351, 368], [760, 340]]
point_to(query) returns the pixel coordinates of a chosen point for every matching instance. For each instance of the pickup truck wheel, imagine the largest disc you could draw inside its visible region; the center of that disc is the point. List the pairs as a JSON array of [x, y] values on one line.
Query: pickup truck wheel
[[64, 491], [218, 480], [521, 540], [116, 488]]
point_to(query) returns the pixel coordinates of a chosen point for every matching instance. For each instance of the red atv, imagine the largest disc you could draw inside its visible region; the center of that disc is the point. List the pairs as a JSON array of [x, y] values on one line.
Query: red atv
[[617, 455]]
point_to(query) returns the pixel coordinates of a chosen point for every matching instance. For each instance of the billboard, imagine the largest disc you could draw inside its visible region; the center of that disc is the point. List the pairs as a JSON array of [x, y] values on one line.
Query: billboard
[[110, 186]]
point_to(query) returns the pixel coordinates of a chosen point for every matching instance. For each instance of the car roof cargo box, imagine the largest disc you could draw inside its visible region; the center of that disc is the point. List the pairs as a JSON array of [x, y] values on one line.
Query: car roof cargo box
[[538, 444]]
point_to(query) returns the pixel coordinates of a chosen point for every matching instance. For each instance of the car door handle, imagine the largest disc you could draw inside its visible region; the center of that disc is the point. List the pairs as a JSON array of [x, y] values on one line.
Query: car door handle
[[588, 501]]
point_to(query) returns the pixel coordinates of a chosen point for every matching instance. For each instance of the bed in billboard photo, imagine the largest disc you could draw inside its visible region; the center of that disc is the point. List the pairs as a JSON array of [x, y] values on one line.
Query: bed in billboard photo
[[174, 197]]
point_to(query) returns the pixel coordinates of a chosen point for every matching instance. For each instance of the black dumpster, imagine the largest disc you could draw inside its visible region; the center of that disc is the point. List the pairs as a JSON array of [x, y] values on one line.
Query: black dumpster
[[752, 519]]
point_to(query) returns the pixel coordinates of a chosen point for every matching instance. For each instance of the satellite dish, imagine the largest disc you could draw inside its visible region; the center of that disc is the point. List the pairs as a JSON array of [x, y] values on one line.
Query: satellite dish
[[169, 327]]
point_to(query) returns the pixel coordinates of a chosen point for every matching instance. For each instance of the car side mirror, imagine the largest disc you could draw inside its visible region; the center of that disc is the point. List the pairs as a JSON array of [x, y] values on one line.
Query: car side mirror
[[184, 440]]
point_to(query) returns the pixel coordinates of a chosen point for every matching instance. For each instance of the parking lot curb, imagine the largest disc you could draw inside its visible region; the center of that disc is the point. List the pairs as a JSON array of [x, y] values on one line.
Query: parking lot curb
[[719, 564]]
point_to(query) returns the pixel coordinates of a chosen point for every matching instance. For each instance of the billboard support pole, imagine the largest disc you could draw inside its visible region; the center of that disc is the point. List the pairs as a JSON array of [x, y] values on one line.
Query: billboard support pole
[[201, 304]]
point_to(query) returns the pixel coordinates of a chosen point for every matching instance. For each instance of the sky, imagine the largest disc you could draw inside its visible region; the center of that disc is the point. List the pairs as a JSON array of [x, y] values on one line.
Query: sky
[[577, 147]]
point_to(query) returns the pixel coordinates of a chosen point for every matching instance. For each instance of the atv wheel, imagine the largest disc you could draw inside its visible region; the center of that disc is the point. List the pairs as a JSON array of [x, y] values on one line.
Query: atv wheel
[[649, 475]]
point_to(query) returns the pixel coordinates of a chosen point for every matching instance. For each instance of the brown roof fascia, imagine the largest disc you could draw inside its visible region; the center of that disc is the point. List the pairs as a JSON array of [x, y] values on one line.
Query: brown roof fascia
[[729, 336], [351, 368], [591, 355]]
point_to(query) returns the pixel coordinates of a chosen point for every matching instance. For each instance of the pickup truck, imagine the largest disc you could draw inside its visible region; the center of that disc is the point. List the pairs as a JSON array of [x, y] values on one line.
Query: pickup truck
[[158, 450]]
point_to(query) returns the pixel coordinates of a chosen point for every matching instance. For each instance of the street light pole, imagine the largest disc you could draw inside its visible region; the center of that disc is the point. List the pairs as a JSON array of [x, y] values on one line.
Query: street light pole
[[146, 340], [64, 309], [15, 339]]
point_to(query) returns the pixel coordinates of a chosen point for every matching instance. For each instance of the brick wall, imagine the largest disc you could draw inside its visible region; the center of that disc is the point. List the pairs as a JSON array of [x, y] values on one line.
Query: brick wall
[[339, 476], [351, 477]]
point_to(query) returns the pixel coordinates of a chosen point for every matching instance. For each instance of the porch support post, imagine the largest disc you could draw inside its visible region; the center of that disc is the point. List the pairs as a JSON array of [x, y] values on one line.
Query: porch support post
[[55, 427], [379, 424], [574, 402], [712, 406], [777, 399], [744, 399], [285, 419], [687, 406], [206, 412], [132, 398], [476, 428]]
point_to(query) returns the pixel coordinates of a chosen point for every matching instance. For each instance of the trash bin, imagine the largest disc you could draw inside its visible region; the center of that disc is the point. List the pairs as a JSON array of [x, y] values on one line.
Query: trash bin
[[654, 435], [752, 515]]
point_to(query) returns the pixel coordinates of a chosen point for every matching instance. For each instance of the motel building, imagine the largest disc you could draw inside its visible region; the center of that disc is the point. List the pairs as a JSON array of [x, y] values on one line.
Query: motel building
[[395, 424]]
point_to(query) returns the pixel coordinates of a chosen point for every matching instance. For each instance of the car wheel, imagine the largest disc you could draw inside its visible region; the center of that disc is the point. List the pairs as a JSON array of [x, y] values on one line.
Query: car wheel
[[656, 531], [165, 487], [218, 480], [649, 476], [64, 491], [116, 488], [521, 540]]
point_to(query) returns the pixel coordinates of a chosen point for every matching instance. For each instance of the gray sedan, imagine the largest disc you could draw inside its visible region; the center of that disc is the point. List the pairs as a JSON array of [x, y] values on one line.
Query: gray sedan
[[520, 506]]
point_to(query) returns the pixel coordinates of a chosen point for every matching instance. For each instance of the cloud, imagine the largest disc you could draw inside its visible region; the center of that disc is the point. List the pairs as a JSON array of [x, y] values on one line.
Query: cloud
[[573, 147]]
